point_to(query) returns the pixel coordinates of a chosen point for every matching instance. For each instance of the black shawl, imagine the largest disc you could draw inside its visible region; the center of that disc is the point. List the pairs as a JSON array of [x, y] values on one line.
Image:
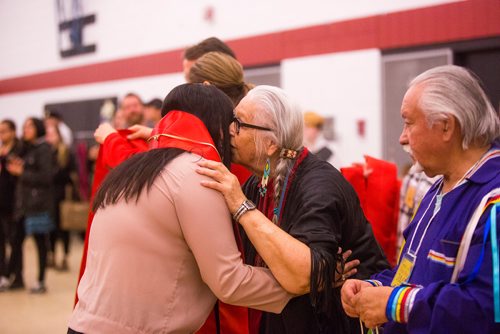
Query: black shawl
[[322, 210]]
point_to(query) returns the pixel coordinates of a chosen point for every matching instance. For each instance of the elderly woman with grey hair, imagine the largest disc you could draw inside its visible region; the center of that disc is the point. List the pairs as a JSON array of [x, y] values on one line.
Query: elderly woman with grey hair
[[306, 212]]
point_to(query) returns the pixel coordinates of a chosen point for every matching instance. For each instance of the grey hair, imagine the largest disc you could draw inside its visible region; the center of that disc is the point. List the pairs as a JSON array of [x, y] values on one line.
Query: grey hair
[[453, 90], [277, 110]]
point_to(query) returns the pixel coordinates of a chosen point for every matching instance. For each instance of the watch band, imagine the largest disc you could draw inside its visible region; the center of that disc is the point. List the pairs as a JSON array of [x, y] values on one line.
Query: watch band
[[246, 206]]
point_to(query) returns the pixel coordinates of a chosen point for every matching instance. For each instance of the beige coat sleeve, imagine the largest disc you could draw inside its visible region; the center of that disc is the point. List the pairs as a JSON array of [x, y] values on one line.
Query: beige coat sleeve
[[207, 227]]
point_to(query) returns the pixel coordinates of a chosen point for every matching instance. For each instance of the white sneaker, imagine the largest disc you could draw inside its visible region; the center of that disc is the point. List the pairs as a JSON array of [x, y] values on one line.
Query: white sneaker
[[39, 288]]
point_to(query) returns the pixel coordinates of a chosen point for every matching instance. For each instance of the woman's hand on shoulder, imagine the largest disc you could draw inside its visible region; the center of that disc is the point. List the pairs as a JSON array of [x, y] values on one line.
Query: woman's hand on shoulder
[[139, 132], [223, 181]]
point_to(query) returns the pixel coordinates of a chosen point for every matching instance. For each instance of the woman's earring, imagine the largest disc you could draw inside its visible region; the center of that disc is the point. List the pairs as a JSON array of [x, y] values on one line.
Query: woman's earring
[[265, 178]]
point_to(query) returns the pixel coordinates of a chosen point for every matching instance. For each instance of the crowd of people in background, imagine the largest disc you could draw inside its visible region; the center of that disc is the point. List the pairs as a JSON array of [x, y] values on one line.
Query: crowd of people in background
[[35, 171], [300, 218], [38, 171]]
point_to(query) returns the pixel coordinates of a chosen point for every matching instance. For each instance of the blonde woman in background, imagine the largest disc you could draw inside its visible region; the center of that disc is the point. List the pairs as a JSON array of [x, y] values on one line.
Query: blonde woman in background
[[222, 71], [214, 68], [64, 167]]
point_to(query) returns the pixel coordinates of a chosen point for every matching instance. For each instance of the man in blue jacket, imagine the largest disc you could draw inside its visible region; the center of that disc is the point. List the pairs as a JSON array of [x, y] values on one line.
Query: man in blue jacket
[[447, 277]]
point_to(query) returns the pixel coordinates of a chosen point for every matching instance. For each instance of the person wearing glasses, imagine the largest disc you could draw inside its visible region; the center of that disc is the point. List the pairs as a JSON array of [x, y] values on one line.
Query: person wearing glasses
[[296, 213], [162, 248], [226, 73]]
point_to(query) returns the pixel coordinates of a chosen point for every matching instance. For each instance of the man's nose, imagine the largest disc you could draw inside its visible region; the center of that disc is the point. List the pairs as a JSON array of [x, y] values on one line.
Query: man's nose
[[403, 138]]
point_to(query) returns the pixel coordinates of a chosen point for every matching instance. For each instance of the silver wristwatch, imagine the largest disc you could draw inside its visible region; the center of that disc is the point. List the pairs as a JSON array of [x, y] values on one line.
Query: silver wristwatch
[[246, 206]]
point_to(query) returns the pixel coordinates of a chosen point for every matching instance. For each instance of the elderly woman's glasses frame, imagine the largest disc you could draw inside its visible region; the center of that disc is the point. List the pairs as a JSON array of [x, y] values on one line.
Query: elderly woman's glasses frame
[[239, 124]]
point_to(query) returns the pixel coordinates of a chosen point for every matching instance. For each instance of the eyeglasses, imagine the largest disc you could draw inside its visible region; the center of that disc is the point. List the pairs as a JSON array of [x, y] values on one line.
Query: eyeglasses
[[239, 124]]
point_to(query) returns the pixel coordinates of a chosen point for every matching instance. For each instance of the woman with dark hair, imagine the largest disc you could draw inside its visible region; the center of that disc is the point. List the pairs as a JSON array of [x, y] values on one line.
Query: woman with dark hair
[[161, 247], [35, 169], [118, 145]]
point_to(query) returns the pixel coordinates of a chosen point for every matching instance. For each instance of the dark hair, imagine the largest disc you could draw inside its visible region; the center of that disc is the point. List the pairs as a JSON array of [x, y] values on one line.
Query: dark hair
[[207, 45], [53, 114], [132, 95], [129, 179], [39, 126], [211, 106], [10, 124], [154, 103]]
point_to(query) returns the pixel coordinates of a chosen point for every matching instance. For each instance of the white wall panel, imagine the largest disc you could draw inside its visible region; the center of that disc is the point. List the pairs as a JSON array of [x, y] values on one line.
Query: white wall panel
[[346, 86]]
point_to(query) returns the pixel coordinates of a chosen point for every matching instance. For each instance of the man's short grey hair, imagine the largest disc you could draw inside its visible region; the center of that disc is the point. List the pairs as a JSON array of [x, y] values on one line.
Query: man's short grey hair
[[453, 90], [278, 111]]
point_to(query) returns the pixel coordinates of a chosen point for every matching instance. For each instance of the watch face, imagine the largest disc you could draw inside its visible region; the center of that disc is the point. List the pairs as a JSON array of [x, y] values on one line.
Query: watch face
[[249, 204]]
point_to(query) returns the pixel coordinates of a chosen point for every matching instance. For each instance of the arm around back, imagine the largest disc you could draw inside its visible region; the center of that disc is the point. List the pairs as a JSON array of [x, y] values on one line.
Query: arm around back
[[207, 228]]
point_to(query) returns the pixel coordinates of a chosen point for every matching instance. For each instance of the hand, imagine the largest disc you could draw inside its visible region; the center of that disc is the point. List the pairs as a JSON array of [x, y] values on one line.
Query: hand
[[102, 131], [15, 166], [349, 290], [223, 181], [93, 152], [348, 270], [370, 304], [139, 132]]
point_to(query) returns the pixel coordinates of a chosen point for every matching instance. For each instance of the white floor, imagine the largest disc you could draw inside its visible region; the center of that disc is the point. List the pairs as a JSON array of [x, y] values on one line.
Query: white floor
[[22, 312]]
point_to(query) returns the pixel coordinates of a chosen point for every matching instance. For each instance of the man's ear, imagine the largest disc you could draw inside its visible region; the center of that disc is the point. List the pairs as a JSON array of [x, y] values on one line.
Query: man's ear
[[450, 127]]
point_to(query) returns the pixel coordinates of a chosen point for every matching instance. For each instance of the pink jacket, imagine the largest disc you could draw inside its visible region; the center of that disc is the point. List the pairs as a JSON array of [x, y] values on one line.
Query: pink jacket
[[158, 265]]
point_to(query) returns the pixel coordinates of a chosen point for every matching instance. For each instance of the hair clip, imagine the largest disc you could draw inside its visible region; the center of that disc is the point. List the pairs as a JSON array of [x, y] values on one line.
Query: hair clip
[[288, 154]]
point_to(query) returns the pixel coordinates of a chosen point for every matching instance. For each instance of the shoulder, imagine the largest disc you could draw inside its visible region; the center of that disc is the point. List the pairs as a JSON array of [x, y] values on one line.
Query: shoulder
[[180, 175], [41, 149], [114, 139], [45, 149], [184, 164], [45, 146], [19, 147], [319, 174], [318, 181], [489, 169]]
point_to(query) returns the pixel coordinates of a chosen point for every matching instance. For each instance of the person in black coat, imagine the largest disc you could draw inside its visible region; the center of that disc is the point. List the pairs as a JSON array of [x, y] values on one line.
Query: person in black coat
[[34, 206], [305, 212], [10, 147]]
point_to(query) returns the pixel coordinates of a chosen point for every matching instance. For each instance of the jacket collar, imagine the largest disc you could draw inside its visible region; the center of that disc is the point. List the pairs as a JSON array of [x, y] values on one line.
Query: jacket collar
[[179, 129]]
